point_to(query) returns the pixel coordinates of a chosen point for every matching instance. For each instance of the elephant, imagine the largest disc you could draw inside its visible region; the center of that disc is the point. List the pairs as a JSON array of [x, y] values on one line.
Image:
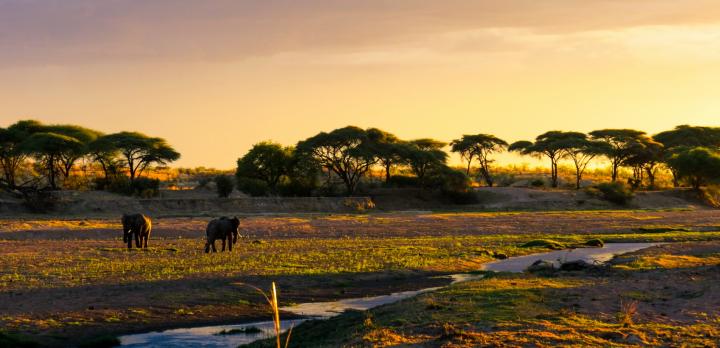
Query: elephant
[[138, 224], [222, 228]]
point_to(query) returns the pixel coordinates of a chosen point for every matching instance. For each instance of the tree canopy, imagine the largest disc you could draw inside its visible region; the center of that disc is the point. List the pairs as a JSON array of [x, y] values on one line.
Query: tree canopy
[[550, 144], [140, 151], [266, 161], [700, 165], [620, 145], [347, 152], [480, 147]]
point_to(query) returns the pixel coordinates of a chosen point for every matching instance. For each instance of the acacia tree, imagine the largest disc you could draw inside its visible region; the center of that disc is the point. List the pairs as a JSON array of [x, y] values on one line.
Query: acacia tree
[[67, 159], [644, 159], [550, 144], [267, 162], [425, 154], [140, 151], [620, 145], [686, 137], [48, 148], [103, 151], [580, 150], [12, 152], [699, 165], [347, 152], [480, 147], [389, 150]]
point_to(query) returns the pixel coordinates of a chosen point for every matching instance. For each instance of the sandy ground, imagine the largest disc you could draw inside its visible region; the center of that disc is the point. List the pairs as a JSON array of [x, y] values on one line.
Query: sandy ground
[[380, 225]]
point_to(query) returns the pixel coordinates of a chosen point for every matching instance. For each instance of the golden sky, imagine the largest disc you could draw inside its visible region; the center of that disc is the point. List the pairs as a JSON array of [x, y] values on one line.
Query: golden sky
[[214, 77]]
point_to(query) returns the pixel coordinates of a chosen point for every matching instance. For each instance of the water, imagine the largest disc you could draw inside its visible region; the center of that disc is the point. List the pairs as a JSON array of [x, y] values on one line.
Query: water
[[207, 336], [590, 255]]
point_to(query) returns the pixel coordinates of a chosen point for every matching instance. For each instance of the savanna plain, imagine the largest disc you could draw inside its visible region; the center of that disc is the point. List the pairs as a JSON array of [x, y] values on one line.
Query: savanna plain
[[72, 282]]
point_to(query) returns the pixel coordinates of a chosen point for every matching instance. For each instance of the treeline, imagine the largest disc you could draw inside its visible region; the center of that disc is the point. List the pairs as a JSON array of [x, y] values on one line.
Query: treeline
[[348, 154], [36, 156]]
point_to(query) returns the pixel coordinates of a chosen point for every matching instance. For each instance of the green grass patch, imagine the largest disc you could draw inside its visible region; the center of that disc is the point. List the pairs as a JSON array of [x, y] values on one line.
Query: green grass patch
[[544, 243]]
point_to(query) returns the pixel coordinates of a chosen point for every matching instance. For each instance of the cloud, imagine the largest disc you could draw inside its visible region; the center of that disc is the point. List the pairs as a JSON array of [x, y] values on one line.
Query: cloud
[[59, 32]]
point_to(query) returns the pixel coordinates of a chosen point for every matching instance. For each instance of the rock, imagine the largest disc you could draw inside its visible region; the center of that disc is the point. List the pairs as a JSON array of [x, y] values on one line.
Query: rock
[[613, 336], [577, 265], [634, 339], [597, 243], [541, 266], [500, 256]]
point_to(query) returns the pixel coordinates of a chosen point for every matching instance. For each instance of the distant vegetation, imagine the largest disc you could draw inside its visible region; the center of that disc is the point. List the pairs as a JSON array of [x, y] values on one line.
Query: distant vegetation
[[37, 157], [346, 157]]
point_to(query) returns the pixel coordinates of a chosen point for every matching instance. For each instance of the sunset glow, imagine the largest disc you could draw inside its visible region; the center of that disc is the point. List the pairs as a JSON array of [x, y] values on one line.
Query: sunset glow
[[215, 77]]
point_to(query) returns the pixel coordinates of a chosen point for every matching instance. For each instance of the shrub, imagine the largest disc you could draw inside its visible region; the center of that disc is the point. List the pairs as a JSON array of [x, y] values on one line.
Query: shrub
[[252, 187], [41, 201], [537, 183], [454, 185], [404, 181], [614, 192], [224, 185], [145, 187], [141, 187], [297, 187]]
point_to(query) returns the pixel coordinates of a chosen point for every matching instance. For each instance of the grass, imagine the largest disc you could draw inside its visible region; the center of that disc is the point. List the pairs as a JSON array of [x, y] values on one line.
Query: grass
[[304, 253], [506, 310]]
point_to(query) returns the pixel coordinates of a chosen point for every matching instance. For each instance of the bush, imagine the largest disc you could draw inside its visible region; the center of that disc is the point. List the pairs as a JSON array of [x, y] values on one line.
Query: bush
[[614, 192], [297, 188], [224, 185], [41, 201], [454, 185], [404, 181], [141, 187], [537, 183], [252, 187]]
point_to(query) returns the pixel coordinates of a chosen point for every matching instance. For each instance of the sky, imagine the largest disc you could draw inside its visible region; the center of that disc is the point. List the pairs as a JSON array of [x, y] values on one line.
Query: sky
[[214, 77]]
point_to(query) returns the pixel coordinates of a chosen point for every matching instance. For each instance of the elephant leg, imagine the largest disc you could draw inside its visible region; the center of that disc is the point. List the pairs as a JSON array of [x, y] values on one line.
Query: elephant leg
[[223, 244], [229, 238], [213, 246], [129, 241], [137, 240], [145, 241]]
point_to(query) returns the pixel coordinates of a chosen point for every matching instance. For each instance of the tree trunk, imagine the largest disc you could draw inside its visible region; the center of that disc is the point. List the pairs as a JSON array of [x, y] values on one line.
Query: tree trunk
[[651, 178], [578, 177], [676, 181], [614, 171], [486, 176], [387, 173], [51, 167]]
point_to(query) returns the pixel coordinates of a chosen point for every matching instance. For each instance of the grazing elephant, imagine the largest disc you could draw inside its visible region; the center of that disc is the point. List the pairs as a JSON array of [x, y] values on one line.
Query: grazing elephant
[[222, 228], [137, 224]]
